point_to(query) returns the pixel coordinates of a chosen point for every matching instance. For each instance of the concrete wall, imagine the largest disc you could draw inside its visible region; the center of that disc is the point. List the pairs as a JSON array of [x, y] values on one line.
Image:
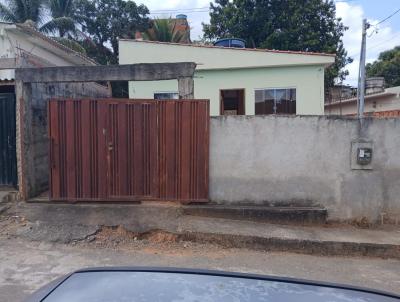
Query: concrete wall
[[305, 160], [39, 146], [308, 81]]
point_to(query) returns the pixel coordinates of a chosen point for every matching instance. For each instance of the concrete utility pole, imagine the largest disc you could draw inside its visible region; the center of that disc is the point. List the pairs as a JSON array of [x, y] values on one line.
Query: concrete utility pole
[[361, 72]]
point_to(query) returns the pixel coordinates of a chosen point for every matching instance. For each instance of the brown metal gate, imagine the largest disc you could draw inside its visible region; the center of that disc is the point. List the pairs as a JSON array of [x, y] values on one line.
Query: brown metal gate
[[118, 149]]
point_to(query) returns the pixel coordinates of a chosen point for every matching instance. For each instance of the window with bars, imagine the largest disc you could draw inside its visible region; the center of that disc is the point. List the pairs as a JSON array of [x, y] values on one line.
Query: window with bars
[[275, 101]]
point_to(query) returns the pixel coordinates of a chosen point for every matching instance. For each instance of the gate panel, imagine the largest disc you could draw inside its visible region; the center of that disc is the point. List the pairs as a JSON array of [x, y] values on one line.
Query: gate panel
[[184, 145], [8, 161], [78, 160], [129, 150], [132, 144]]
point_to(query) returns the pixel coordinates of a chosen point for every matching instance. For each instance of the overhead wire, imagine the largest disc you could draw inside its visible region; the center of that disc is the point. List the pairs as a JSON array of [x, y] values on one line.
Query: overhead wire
[[378, 44], [181, 11], [388, 17]]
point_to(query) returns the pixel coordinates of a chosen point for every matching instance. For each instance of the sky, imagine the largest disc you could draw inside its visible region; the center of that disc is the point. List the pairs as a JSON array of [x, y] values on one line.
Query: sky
[[380, 38]]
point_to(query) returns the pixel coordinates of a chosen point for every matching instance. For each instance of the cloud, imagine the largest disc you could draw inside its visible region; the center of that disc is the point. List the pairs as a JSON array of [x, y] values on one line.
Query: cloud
[[385, 38]]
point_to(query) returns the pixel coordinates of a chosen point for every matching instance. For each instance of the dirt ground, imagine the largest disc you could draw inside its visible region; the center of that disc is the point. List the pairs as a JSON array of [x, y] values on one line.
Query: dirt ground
[[27, 265]]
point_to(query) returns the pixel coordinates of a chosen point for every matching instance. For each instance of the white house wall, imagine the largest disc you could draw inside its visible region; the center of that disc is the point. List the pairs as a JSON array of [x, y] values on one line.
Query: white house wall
[[308, 81], [132, 51], [224, 68]]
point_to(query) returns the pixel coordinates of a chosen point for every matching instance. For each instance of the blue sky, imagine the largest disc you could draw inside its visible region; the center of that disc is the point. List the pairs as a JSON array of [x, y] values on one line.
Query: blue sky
[[351, 11], [380, 9]]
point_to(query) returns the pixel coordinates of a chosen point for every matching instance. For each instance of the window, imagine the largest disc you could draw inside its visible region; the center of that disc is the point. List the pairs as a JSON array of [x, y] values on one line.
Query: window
[[166, 96], [232, 102], [275, 101]]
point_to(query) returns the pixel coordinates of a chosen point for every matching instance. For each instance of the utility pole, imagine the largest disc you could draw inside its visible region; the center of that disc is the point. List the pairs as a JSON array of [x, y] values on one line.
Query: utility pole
[[361, 72]]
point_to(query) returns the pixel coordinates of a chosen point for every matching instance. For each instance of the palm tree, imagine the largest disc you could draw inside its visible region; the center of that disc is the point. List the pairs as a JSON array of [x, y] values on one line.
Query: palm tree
[[164, 30], [63, 18], [19, 11]]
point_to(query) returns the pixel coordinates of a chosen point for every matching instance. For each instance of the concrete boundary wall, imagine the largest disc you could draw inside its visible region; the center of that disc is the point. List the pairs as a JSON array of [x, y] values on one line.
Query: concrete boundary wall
[[39, 143], [305, 160]]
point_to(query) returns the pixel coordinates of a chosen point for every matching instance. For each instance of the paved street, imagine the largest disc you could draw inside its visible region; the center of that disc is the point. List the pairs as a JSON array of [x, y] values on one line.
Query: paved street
[[26, 265]]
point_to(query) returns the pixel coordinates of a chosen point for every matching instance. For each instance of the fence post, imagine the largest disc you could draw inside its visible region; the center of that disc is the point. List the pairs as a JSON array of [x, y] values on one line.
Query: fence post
[[186, 88], [23, 92]]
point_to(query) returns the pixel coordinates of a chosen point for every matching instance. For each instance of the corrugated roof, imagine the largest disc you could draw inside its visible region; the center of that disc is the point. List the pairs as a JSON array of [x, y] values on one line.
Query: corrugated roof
[[236, 49]]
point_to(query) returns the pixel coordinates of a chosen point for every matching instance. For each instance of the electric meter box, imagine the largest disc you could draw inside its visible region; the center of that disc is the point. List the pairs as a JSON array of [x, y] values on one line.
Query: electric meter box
[[361, 155], [364, 156]]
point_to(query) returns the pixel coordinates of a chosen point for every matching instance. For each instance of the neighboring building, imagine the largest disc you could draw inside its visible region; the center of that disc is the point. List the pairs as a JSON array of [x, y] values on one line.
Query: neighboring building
[[379, 102], [340, 92], [30, 48], [237, 80], [179, 25], [23, 46]]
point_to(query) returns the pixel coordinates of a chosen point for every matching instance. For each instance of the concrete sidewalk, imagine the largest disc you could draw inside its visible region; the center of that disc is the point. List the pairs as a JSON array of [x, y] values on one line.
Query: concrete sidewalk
[[73, 223], [321, 240]]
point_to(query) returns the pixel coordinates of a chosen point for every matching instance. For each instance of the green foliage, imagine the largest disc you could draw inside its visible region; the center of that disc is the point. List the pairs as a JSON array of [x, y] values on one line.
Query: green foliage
[[164, 30], [298, 25], [387, 66], [103, 22], [63, 18], [19, 11]]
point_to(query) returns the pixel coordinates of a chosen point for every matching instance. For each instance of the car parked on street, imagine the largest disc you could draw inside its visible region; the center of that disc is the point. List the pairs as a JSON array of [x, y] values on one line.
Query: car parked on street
[[169, 284]]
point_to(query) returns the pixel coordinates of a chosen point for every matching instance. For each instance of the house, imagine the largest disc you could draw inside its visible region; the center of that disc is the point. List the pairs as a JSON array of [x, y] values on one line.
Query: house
[[179, 26], [237, 80], [379, 102], [21, 45]]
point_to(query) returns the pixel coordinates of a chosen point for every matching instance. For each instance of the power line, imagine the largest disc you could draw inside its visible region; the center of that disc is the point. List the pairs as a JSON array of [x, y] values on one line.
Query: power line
[[384, 42], [179, 10], [387, 18], [166, 13], [378, 44]]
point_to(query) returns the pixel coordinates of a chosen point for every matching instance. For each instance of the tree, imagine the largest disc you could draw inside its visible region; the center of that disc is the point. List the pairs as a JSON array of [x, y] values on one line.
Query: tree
[[103, 22], [164, 30], [298, 25], [387, 66], [63, 18], [19, 11]]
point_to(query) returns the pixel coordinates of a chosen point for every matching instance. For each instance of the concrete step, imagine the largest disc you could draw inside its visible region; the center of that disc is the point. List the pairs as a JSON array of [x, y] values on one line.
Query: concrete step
[[8, 195], [327, 240], [305, 215]]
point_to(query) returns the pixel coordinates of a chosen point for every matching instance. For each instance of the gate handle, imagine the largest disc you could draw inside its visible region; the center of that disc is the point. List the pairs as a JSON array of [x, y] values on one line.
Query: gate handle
[[52, 153]]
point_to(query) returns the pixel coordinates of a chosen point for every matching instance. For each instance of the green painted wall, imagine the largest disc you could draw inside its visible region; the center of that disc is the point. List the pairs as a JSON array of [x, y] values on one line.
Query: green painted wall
[[308, 81]]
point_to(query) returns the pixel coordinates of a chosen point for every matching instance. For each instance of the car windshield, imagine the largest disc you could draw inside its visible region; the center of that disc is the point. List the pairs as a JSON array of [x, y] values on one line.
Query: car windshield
[[124, 286]]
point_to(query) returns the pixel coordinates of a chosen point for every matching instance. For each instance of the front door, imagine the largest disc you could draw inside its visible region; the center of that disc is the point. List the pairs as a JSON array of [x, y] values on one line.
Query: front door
[[8, 161]]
